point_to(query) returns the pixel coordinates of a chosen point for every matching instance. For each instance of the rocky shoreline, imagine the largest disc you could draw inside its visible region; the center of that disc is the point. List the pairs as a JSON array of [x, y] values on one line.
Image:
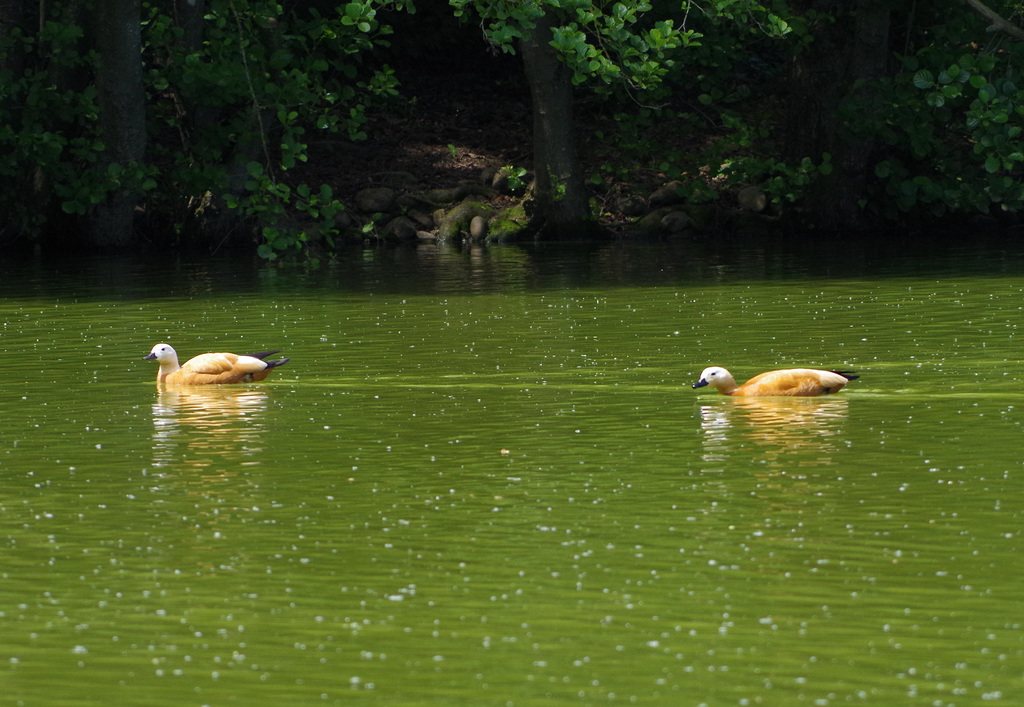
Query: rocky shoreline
[[493, 209]]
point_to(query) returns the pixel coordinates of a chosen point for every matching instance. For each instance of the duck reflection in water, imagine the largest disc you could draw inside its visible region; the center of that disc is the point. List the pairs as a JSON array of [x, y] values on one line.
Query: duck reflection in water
[[210, 428], [800, 431]]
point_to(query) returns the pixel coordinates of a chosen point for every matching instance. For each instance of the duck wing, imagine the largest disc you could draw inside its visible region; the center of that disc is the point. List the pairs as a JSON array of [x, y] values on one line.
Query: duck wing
[[794, 382]]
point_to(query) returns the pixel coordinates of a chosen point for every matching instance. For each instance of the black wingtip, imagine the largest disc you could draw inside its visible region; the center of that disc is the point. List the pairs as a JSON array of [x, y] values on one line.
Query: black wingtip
[[278, 362], [848, 375]]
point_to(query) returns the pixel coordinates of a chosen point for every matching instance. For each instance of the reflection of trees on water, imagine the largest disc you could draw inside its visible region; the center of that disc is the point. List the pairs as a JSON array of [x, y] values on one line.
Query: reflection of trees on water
[[780, 431], [211, 429]]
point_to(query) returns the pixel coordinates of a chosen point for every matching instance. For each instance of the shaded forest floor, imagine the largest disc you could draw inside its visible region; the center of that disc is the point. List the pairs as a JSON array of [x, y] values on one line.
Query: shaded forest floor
[[451, 128]]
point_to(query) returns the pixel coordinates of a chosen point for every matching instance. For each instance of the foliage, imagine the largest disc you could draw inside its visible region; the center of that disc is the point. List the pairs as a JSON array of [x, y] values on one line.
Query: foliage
[[950, 137], [275, 206], [516, 178], [782, 183], [229, 120], [606, 42], [702, 124], [954, 136], [261, 85], [49, 142]]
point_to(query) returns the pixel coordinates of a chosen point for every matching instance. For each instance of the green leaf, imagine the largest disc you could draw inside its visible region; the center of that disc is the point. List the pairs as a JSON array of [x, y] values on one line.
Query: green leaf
[[279, 59], [924, 79]]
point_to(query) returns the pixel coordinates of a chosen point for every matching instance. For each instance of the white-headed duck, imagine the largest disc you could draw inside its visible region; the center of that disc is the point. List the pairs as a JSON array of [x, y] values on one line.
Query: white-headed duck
[[211, 368], [790, 381]]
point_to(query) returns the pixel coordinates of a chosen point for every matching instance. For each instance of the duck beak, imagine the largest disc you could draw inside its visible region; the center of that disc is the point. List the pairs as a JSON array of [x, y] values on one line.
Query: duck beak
[[700, 384], [149, 358]]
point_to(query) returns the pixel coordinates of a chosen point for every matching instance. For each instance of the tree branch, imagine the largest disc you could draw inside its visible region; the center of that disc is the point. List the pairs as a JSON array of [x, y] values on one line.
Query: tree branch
[[998, 23]]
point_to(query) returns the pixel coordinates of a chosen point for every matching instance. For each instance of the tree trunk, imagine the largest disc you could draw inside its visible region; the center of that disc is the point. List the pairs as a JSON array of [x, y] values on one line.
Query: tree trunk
[[832, 77], [121, 100], [560, 199]]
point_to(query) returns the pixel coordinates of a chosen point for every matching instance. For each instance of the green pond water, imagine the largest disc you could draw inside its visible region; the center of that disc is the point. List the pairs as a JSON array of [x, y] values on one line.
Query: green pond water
[[483, 479]]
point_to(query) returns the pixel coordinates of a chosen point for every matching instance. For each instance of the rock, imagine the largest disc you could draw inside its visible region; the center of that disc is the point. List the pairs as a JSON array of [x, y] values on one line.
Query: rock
[[426, 236], [423, 221], [507, 223], [488, 174], [343, 220], [469, 189], [632, 206], [406, 202], [671, 193], [652, 222], [457, 221], [478, 228], [702, 216], [401, 228], [435, 197], [499, 182], [439, 196], [752, 199], [375, 200], [675, 221]]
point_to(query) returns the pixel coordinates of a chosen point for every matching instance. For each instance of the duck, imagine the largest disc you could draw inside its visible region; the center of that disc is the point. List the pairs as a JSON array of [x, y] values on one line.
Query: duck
[[789, 381], [211, 368]]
